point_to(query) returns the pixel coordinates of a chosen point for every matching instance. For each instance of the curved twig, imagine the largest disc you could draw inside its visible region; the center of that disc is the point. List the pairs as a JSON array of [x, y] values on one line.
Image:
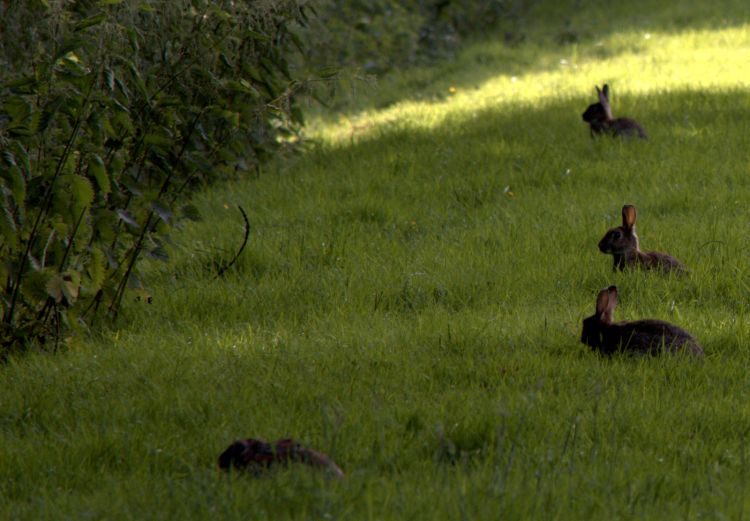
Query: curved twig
[[244, 243]]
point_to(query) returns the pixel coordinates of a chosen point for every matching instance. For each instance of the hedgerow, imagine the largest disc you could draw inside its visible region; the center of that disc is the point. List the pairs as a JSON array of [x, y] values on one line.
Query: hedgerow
[[380, 35], [109, 111]]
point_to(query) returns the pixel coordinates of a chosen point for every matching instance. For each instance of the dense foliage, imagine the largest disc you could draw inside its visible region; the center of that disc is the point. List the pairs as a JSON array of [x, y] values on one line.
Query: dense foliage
[[379, 35], [109, 110]]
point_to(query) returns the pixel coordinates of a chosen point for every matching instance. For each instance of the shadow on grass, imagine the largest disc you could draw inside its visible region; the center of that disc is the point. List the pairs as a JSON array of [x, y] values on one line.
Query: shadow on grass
[[549, 36]]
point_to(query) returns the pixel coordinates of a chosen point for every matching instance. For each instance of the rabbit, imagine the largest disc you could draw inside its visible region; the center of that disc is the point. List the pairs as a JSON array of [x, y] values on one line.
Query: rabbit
[[622, 243], [600, 119], [636, 336], [256, 455]]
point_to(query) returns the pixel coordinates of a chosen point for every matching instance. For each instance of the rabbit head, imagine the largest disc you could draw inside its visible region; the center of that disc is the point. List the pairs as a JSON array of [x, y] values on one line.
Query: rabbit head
[[598, 115], [593, 326], [623, 239]]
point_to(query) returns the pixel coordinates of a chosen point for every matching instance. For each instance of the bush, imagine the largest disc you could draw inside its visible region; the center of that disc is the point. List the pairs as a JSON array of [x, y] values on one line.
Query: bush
[[379, 35], [110, 111]]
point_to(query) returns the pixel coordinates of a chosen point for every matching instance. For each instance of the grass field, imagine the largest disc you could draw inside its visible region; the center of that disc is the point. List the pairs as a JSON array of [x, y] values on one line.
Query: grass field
[[411, 298]]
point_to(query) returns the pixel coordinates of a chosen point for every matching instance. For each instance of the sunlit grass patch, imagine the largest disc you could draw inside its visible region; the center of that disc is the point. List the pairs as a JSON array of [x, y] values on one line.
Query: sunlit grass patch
[[635, 63]]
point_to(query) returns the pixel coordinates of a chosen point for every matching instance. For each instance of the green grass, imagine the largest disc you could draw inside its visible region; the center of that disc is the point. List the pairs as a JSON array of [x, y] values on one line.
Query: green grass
[[410, 303]]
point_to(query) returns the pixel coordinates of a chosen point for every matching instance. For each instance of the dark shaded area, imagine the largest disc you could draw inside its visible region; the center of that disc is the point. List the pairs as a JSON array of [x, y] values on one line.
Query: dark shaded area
[[535, 36]]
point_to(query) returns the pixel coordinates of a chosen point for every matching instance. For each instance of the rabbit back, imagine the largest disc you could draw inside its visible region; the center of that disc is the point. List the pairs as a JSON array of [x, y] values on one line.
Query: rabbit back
[[661, 261], [648, 336], [627, 127], [651, 260]]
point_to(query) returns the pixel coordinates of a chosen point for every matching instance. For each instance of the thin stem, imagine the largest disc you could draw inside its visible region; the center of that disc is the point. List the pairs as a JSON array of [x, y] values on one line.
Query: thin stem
[[244, 243], [71, 239]]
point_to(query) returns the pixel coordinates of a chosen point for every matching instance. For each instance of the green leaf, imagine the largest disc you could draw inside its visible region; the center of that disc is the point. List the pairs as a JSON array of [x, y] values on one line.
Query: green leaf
[[96, 270], [15, 182], [242, 86], [157, 140], [252, 72], [255, 35], [220, 13], [21, 131], [158, 253], [134, 281], [139, 83], [122, 89], [98, 171], [233, 118], [133, 35], [191, 212], [35, 285], [8, 229], [105, 224], [69, 45], [328, 72], [25, 85], [109, 79], [82, 191], [162, 211], [164, 101], [49, 111], [125, 216], [19, 110], [64, 285], [297, 115], [54, 287], [9, 158], [22, 156], [71, 285], [89, 22], [297, 41], [122, 123]]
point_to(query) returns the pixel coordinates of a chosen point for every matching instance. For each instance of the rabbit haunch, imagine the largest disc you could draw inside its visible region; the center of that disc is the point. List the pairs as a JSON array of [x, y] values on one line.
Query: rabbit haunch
[[601, 121], [257, 455], [648, 336], [623, 244]]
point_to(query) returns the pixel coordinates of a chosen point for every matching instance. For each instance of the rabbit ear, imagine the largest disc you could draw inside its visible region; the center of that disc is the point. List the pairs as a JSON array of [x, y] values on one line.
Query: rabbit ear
[[606, 303], [602, 300], [628, 216], [604, 100], [612, 303]]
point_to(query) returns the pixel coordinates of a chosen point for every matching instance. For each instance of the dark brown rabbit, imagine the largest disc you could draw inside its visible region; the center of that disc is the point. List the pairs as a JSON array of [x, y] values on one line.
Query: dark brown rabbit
[[600, 119], [638, 336], [622, 243], [257, 455]]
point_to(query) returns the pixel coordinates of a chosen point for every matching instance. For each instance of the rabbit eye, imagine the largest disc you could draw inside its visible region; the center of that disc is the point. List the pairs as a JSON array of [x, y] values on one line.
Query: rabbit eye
[[616, 234]]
